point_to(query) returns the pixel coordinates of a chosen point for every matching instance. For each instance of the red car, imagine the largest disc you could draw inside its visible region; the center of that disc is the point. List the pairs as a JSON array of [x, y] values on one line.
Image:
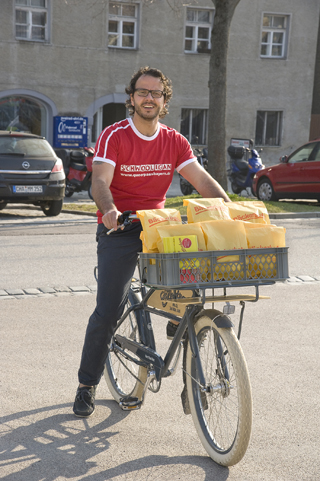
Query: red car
[[296, 177]]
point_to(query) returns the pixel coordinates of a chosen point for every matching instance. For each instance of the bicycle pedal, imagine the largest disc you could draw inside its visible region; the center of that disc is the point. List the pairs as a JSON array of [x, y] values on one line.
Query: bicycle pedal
[[130, 403]]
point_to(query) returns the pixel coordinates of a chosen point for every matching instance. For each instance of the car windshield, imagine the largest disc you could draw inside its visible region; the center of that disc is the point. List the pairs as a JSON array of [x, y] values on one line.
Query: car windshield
[[27, 146]]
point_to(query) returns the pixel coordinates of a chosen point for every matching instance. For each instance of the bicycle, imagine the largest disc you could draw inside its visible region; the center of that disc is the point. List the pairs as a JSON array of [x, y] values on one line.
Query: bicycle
[[217, 390]]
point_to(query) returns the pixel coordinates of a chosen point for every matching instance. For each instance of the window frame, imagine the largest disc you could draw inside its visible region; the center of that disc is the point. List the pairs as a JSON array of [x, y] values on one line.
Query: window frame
[[120, 19], [198, 24], [30, 9], [280, 115], [190, 135], [272, 30]]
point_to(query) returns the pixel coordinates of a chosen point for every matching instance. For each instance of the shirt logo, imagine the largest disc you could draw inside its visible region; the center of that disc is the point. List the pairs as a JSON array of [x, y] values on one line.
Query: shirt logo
[[145, 168]]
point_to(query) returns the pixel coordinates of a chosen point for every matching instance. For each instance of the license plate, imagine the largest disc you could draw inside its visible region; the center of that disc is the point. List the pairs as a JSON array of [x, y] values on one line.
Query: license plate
[[27, 189]]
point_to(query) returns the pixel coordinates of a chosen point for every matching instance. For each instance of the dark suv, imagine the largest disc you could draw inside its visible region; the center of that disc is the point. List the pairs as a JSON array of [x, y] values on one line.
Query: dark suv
[[30, 172]]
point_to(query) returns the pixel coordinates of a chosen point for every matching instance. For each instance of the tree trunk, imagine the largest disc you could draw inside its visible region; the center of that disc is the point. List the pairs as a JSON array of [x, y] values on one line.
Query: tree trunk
[[224, 10]]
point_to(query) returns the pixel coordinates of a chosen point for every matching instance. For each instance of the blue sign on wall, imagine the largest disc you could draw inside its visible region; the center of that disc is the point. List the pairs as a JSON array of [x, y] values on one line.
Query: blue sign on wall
[[70, 132]]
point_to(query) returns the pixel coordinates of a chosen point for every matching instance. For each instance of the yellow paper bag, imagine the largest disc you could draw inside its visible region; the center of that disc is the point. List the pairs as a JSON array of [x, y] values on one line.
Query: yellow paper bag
[[249, 211], [261, 236], [226, 235], [199, 210], [145, 248], [150, 219]]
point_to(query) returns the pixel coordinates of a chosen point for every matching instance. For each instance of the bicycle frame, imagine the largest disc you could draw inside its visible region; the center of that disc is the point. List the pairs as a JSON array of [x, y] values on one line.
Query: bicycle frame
[[146, 352]]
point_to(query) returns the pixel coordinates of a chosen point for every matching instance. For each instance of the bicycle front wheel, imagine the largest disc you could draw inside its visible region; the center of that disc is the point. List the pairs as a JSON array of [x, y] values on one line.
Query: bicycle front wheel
[[223, 415], [123, 376]]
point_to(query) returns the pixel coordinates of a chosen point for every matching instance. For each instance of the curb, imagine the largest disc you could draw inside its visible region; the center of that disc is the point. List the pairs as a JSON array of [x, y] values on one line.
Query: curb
[[60, 291], [79, 212], [294, 215]]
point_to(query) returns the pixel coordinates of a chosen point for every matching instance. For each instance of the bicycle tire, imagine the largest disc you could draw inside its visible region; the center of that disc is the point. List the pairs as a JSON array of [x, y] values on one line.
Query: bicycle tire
[[124, 377], [222, 419]]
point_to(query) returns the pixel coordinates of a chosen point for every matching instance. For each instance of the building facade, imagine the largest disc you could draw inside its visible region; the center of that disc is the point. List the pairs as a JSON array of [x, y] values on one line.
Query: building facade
[[74, 59]]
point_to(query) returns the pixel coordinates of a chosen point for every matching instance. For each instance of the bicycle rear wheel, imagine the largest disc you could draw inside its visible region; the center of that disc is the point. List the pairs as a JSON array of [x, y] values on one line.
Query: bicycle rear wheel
[[123, 376], [223, 416]]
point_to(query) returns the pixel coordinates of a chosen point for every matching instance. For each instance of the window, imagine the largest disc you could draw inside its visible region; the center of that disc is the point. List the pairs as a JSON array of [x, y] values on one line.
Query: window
[[122, 26], [274, 36], [268, 127], [22, 114], [27, 146], [304, 154], [198, 31], [194, 125], [31, 20]]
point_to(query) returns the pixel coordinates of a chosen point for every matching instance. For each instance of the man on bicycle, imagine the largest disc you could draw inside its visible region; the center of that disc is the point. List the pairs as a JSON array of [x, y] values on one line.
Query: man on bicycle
[[132, 170]]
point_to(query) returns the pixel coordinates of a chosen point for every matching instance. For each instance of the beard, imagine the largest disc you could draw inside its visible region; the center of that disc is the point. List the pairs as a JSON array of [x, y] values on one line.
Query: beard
[[146, 115]]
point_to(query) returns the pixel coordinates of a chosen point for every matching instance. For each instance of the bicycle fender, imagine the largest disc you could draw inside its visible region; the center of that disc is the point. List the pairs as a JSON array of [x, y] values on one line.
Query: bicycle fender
[[221, 320]]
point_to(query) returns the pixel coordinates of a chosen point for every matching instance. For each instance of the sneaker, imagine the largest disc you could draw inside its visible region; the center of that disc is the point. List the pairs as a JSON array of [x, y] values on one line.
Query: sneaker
[[172, 329], [84, 402]]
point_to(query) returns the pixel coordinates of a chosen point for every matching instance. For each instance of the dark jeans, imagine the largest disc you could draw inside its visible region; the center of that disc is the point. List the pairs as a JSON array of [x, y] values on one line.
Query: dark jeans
[[117, 260]]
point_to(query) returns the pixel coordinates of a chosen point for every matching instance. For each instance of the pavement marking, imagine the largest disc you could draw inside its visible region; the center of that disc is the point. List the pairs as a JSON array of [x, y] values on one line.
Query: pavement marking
[[30, 293], [59, 291], [303, 279]]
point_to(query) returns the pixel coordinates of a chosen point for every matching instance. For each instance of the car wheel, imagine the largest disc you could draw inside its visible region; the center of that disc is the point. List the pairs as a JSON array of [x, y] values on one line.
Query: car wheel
[[52, 207], [265, 190], [3, 205]]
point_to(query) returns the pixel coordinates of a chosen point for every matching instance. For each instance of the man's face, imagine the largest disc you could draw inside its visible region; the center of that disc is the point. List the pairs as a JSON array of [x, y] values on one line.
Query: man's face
[[148, 108]]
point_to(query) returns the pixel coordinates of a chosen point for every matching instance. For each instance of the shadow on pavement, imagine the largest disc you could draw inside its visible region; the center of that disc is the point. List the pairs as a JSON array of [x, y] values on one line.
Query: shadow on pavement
[[50, 443]]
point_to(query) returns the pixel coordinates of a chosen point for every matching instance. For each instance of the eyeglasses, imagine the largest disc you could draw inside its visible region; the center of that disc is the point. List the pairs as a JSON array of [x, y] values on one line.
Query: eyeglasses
[[155, 94]]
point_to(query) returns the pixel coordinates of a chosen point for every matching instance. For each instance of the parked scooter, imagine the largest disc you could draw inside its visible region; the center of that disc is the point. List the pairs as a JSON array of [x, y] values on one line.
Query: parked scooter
[[242, 171], [202, 157], [78, 170]]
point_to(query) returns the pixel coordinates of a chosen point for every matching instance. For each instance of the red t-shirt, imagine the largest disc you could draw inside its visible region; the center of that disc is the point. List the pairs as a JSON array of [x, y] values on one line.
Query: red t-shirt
[[144, 166]]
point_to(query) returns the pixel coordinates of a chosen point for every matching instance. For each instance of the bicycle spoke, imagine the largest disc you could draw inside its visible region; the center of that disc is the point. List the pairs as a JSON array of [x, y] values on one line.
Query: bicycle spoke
[[216, 413]]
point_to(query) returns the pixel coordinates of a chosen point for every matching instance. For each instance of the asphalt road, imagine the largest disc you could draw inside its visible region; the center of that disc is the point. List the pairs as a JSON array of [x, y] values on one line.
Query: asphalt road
[[41, 336], [41, 340]]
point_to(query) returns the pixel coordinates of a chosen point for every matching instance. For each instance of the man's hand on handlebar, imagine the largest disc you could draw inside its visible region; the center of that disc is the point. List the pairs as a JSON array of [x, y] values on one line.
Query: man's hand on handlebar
[[110, 219], [123, 219]]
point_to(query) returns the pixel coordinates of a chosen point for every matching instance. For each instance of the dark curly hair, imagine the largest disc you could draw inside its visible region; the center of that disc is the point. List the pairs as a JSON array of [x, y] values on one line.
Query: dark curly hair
[[153, 72]]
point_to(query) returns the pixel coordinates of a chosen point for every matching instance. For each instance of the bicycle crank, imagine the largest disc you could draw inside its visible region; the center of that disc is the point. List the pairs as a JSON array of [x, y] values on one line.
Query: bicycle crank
[[131, 403]]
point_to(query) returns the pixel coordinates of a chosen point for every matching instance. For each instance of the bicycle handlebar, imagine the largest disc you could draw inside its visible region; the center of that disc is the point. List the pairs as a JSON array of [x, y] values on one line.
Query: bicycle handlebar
[[124, 219]]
